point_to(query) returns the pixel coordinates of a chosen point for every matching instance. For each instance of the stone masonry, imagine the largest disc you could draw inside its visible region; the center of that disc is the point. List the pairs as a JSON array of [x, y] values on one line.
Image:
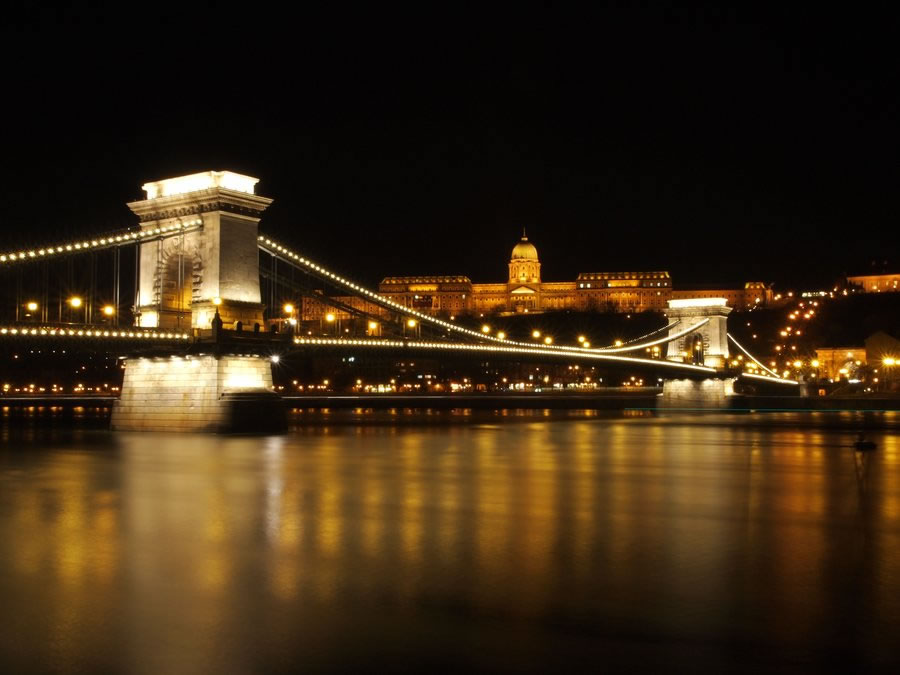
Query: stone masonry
[[185, 394]]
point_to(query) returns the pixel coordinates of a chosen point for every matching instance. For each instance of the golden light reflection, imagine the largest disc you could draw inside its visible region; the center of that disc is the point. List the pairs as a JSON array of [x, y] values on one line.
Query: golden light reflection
[[513, 513]]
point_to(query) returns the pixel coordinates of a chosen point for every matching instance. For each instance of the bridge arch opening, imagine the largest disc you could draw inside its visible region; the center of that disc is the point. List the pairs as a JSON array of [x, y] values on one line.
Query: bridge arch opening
[[177, 284], [697, 356]]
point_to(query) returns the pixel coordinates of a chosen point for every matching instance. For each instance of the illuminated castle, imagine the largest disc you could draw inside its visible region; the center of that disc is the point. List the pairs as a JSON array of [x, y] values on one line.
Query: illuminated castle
[[525, 292]]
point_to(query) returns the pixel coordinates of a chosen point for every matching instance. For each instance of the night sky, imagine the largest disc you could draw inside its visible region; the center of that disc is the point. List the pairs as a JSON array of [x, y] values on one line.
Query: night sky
[[721, 146]]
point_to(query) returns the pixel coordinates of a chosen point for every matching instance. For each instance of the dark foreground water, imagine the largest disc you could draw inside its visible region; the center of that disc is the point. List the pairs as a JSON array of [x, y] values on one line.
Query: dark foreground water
[[440, 542]]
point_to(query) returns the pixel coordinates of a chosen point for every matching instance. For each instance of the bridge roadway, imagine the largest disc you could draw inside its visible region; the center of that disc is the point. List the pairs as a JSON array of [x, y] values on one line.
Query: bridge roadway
[[151, 342]]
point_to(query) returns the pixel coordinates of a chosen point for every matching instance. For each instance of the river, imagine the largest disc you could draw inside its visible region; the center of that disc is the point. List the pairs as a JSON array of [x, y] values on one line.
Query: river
[[454, 541]]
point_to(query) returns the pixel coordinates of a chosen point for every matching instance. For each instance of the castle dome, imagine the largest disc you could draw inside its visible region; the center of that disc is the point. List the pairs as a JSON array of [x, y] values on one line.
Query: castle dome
[[524, 250]]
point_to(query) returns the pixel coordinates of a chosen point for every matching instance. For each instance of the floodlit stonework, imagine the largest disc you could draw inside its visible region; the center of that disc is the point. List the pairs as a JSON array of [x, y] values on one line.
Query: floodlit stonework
[[186, 394], [704, 394], [707, 346], [214, 259], [525, 291]]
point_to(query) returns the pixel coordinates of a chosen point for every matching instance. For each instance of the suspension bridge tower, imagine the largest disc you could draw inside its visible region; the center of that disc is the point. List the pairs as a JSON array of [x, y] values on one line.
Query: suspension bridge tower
[[706, 346], [205, 258], [199, 260]]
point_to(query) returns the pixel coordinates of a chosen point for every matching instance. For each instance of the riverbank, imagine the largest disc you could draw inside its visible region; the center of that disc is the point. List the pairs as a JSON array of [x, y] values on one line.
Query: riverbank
[[646, 399], [639, 398]]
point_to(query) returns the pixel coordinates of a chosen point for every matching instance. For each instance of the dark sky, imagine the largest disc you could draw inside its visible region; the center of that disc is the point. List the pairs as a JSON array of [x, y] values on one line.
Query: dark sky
[[721, 146]]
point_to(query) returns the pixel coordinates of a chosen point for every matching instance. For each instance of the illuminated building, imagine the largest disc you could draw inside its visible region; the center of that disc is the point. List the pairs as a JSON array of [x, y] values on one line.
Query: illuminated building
[[752, 294], [524, 291], [877, 283], [837, 363]]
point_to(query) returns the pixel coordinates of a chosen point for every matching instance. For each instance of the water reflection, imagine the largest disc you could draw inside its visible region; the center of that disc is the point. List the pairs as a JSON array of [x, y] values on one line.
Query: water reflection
[[510, 540]]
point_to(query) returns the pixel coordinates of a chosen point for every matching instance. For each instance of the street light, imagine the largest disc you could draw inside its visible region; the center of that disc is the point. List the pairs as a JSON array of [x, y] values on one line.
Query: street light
[[32, 306], [535, 334], [329, 317], [501, 335], [548, 340], [76, 303], [889, 363], [288, 309], [413, 325], [485, 329], [581, 338], [109, 310]]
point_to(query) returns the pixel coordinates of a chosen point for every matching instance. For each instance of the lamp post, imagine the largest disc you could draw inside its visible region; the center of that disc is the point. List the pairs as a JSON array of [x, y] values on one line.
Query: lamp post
[[109, 312], [330, 319], [289, 310], [889, 362], [77, 303]]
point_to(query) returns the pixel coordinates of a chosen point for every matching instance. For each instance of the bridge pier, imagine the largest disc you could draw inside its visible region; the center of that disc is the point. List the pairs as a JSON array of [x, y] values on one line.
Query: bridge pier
[[709, 394], [198, 393]]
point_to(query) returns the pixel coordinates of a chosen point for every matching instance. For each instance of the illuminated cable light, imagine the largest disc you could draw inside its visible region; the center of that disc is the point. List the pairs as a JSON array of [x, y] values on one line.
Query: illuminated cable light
[[107, 240], [529, 350]]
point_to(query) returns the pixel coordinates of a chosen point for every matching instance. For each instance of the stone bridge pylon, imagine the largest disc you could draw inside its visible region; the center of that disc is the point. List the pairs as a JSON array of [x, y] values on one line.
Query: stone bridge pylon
[[213, 262], [205, 258], [706, 346]]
